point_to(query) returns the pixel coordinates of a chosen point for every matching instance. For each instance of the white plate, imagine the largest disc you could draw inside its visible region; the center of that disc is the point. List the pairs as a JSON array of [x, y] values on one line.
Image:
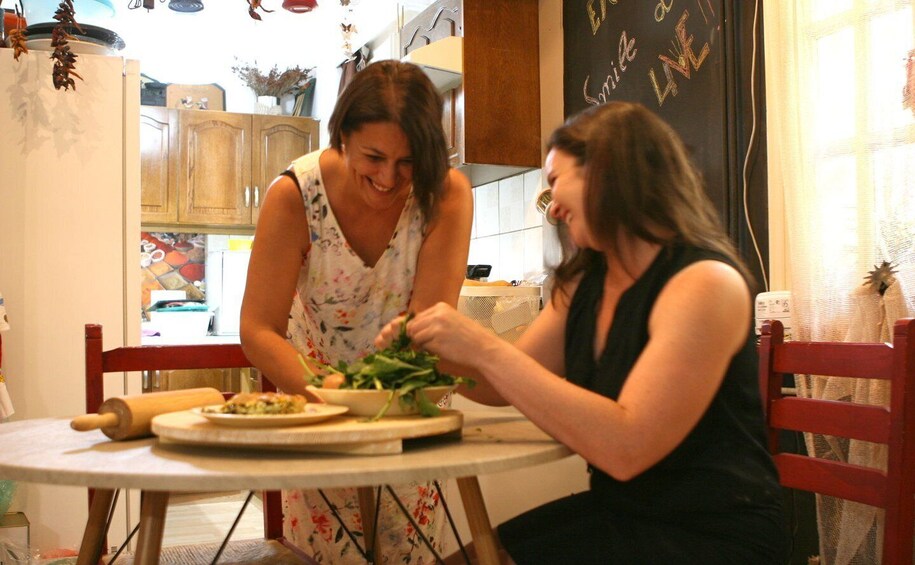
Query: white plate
[[363, 402], [313, 414]]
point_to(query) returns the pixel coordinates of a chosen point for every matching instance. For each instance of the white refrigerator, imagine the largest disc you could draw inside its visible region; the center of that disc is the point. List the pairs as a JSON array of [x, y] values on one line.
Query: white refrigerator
[[69, 249]]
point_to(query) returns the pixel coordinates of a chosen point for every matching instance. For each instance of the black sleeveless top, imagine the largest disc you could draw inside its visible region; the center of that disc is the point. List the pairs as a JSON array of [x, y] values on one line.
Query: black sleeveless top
[[722, 470]]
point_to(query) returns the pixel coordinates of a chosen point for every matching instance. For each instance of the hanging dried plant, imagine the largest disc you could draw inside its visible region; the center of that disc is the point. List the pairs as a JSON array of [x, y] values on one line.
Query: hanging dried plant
[[17, 42], [64, 58], [17, 37], [253, 6], [17, 34]]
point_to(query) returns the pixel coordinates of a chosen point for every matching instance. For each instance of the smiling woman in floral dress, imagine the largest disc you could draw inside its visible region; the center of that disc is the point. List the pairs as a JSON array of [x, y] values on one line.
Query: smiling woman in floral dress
[[349, 238]]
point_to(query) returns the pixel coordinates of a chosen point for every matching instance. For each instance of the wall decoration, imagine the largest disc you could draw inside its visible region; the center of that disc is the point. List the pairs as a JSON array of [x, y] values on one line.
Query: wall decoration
[[254, 6], [347, 28]]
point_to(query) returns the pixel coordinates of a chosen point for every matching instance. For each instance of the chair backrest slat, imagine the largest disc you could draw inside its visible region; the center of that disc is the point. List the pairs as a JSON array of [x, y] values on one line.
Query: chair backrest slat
[[830, 417], [856, 360], [832, 478], [892, 489], [172, 357]]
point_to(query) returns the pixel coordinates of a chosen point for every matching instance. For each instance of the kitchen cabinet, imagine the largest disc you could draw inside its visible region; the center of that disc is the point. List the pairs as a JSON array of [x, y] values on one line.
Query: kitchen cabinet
[[216, 166], [492, 118], [158, 196]]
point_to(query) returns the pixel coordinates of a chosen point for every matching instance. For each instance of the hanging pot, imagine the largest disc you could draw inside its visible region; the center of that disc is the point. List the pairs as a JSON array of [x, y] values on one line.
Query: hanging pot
[[300, 6], [9, 22], [185, 5]]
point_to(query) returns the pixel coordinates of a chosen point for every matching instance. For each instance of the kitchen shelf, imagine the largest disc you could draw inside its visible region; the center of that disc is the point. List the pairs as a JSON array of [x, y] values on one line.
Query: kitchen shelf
[[442, 60]]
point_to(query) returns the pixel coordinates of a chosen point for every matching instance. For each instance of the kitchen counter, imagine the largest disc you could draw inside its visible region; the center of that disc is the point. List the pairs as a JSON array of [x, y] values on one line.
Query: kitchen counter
[[189, 340]]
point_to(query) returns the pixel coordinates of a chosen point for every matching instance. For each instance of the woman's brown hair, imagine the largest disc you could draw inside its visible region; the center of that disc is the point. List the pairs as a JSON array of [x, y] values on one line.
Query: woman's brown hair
[[638, 180], [400, 93]]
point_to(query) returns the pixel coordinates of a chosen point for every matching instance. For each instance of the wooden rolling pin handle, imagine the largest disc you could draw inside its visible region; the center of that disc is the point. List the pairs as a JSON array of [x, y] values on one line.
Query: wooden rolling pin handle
[[94, 421]]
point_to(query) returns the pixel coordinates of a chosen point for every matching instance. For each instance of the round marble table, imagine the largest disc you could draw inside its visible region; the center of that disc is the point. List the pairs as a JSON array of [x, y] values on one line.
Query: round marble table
[[48, 451]]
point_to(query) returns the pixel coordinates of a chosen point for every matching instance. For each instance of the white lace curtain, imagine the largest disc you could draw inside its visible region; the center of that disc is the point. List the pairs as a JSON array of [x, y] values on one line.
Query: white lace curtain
[[841, 151]]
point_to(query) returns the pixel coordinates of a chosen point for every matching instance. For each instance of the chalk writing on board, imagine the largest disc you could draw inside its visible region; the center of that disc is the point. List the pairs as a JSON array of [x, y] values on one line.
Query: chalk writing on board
[[662, 9], [593, 17], [684, 60], [625, 54]]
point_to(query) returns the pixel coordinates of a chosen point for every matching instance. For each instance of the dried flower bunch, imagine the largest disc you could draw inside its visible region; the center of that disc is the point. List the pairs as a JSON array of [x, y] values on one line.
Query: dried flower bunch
[[274, 82], [64, 58]]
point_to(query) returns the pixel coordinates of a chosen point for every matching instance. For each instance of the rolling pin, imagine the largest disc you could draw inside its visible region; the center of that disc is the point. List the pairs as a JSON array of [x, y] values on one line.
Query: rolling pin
[[130, 417]]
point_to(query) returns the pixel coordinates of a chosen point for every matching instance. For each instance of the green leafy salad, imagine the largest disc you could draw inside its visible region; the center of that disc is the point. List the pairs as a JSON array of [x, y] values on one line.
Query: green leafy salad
[[398, 368]]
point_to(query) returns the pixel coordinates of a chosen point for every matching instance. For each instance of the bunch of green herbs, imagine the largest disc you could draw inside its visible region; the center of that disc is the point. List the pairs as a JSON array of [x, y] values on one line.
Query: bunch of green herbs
[[398, 368]]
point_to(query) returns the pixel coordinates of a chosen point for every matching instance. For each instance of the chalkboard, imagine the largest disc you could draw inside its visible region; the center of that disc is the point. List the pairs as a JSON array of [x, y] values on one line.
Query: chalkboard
[[668, 55]]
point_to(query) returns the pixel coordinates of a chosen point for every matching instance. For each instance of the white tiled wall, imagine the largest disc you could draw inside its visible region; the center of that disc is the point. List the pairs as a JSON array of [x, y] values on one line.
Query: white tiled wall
[[507, 229]]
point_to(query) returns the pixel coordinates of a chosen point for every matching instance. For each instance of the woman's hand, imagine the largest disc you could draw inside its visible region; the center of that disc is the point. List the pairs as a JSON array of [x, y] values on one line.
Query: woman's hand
[[389, 333], [443, 331]]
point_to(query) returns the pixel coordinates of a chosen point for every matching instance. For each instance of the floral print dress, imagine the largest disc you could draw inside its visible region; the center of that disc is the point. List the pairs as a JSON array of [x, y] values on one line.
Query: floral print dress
[[339, 307]]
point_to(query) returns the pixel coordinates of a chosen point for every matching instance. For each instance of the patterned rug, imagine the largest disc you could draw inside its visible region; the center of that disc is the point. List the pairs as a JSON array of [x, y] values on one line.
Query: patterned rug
[[242, 552]]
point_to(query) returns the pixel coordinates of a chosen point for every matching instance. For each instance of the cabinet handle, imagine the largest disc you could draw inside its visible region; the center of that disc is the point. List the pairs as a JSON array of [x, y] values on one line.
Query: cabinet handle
[[257, 197], [247, 197]]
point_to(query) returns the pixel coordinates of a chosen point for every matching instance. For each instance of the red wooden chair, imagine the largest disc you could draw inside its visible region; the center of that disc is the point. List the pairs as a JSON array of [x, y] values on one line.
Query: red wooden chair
[[173, 357], [892, 490]]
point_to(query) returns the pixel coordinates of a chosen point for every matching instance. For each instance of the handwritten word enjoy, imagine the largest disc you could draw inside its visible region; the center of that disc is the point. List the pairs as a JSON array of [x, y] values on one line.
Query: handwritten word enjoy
[[686, 60], [625, 54]]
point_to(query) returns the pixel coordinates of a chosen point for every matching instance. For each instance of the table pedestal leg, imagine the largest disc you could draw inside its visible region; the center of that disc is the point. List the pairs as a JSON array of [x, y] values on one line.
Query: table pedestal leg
[[90, 550], [368, 507], [484, 541], [153, 505]]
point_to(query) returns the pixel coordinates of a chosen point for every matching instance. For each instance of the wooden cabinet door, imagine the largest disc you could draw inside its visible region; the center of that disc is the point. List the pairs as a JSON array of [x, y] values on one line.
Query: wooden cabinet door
[[278, 140], [440, 20], [214, 168], [158, 196], [493, 117]]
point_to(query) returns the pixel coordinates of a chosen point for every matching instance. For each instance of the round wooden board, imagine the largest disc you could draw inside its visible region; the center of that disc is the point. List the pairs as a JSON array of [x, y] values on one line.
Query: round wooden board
[[338, 434]]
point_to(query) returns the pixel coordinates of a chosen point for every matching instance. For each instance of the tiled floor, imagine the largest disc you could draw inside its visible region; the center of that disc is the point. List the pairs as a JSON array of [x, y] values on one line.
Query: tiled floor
[[207, 519]]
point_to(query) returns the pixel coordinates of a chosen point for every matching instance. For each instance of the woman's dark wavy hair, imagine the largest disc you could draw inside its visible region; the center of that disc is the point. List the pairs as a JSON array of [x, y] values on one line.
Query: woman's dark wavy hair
[[638, 180], [400, 93]]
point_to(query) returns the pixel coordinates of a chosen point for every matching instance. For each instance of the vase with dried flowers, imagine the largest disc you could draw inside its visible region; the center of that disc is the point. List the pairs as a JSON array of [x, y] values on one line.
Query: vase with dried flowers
[[269, 87]]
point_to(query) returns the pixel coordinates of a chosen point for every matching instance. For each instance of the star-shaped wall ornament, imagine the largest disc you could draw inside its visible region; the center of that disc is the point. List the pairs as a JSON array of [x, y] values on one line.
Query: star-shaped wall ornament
[[881, 277]]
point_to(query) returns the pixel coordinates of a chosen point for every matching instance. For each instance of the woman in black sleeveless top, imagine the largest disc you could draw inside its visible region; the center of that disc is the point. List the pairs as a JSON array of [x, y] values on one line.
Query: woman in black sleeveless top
[[643, 362]]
